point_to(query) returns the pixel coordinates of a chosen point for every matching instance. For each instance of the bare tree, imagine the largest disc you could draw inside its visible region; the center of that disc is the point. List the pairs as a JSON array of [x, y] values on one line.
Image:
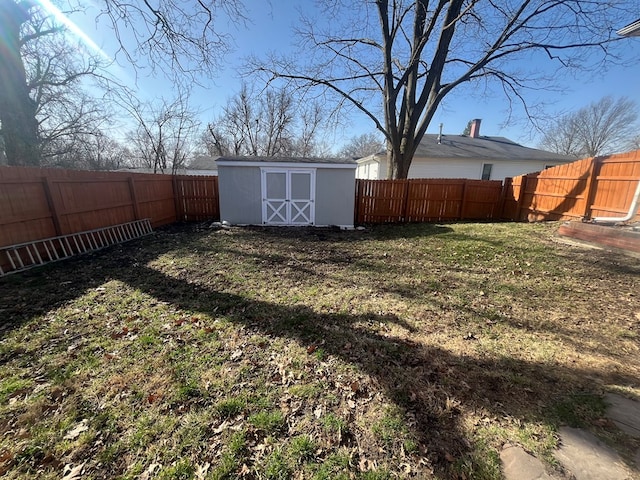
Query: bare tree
[[17, 108], [36, 63], [406, 56], [602, 127], [94, 151], [271, 123], [165, 133], [312, 119], [180, 36], [58, 74], [363, 145], [43, 101]]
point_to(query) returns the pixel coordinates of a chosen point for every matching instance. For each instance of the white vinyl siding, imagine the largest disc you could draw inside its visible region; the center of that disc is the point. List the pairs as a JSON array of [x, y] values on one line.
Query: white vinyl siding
[[368, 170], [375, 168]]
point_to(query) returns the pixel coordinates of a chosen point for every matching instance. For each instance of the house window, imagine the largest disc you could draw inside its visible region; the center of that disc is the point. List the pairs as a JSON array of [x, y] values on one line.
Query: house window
[[486, 171]]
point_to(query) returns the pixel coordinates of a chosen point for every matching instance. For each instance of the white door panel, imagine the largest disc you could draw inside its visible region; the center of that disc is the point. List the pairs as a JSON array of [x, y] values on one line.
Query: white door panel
[[274, 201], [288, 196]]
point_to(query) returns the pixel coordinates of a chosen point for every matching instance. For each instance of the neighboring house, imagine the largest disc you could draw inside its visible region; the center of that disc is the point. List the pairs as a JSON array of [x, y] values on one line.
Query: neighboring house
[[460, 156], [201, 165]]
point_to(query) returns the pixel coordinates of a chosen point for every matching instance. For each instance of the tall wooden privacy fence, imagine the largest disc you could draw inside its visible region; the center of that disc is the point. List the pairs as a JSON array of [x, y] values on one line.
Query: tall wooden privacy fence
[[37, 203], [43, 203], [427, 200], [592, 187]]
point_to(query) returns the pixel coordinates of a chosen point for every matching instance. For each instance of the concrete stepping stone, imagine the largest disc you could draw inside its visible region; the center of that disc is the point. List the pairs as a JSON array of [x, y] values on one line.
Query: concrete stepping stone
[[625, 413], [519, 465], [587, 458]]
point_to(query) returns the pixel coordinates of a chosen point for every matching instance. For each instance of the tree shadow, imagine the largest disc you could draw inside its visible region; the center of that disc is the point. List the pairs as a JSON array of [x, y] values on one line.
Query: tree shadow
[[381, 232], [431, 384]]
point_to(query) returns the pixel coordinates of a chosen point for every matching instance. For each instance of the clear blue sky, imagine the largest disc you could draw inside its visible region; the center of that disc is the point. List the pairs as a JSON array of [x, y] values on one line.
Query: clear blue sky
[[269, 28]]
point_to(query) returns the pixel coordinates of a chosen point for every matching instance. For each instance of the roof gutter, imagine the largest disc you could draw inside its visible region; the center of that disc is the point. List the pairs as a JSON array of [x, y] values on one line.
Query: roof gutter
[[631, 30], [630, 214]]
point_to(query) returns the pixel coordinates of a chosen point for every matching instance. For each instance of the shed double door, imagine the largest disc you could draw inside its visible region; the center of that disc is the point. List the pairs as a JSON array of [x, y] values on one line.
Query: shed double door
[[288, 196]]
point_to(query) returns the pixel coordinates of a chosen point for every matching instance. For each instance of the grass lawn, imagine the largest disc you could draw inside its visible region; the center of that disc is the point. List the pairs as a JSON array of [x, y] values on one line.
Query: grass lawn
[[399, 352]]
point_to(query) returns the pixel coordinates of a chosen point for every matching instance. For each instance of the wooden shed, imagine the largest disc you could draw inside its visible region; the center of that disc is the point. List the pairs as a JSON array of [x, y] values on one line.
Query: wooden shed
[[286, 191]]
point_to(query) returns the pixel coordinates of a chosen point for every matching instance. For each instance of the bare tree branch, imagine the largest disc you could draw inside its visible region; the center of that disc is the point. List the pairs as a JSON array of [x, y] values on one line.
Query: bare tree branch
[[602, 127], [398, 72], [175, 36]]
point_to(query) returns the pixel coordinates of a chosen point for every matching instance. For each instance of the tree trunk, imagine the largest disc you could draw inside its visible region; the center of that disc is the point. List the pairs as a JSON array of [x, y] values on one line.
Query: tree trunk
[[398, 165], [399, 158], [17, 109]]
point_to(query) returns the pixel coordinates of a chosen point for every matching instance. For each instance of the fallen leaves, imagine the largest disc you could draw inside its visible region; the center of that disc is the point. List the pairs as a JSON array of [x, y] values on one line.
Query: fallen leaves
[[72, 473], [6, 460], [150, 471], [75, 432], [154, 397], [201, 471], [236, 355], [125, 331]]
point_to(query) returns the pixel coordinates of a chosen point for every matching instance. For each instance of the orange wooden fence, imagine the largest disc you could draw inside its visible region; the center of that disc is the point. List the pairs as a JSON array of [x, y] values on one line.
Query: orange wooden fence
[[600, 186], [197, 198], [37, 203], [427, 200]]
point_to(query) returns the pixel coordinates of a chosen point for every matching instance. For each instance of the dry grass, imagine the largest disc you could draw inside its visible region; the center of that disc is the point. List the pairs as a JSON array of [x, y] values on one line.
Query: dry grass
[[398, 352]]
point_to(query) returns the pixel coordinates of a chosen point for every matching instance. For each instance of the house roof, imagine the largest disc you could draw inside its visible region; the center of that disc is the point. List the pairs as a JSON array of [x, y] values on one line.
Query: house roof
[[631, 30], [333, 161], [495, 148], [203, 162]]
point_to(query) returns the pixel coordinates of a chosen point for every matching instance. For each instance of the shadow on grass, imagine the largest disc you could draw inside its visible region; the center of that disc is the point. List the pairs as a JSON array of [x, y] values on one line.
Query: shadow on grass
[[431, 384]]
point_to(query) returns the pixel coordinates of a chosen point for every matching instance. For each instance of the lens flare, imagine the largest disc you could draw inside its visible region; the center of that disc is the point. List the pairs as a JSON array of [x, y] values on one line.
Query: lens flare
[[73, 28]]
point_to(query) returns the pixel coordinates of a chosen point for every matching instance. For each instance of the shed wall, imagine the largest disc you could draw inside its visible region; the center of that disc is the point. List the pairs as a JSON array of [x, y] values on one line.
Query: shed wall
[[335, 196], [240, 195]]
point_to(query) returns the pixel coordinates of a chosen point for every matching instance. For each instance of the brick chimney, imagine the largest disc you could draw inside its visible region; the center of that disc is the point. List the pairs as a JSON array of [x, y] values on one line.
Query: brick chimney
[[475, 128]]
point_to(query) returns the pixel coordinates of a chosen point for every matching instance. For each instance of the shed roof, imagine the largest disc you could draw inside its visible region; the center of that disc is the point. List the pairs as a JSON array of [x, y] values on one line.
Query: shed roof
[[496, 148], [256, 159]]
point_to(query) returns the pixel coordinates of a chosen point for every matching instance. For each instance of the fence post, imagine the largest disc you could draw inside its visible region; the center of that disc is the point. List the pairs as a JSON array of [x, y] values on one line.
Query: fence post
[[356, 210], [590, 189], [55, 214], [503, 198], [463, 203], [405, 206], [520, 206], [134, 198], [177, 198]]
